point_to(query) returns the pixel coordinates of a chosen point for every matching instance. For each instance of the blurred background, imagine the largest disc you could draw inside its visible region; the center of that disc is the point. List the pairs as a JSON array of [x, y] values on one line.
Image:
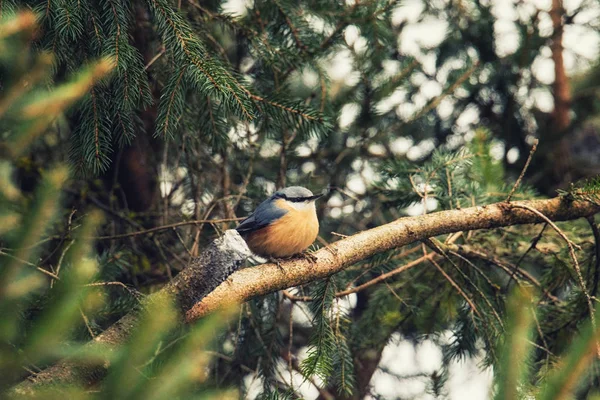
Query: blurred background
[[398, 107]]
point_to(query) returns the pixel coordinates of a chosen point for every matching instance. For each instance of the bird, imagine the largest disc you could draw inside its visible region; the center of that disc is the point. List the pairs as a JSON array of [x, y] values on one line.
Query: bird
[[282, 226]]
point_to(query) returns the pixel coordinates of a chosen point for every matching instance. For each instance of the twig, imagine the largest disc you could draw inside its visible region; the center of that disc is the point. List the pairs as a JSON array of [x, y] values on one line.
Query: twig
[[86, 321], [438, 249], [343, 191], [571, 246], [401, 255], [230, 359], [165, 227], [391, 289], [456, 286], [339, 235], [508, 268], [532, 246], [60, 260], [293, 29], [368, 284], [383, 277], [131, 291], [62, 237], [540, 332], [291, 337], [596, 233], [520, 178], [476, 268], [50, 274], [324, 393], [293, 297]]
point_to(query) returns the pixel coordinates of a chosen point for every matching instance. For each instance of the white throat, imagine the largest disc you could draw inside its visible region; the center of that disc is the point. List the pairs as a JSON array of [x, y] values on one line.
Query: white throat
[[303, 206]]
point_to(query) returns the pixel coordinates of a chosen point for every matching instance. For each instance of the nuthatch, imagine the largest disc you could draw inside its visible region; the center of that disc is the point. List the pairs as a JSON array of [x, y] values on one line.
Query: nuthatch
[[283, 225]]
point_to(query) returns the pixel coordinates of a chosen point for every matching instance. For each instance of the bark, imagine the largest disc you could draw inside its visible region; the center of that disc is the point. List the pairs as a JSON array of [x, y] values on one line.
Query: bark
[[558, 158], [213, 266], [251, 282], [226, 255], [137, 171]]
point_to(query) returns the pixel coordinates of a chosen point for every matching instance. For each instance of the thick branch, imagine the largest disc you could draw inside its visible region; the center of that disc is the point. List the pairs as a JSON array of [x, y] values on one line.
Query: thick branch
[[204, 273], [215, 264], [561, 87], [251, 282]]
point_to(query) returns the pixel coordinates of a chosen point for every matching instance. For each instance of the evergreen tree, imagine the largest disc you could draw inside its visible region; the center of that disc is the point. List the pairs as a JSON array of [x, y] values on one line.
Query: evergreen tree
[[177, 117]]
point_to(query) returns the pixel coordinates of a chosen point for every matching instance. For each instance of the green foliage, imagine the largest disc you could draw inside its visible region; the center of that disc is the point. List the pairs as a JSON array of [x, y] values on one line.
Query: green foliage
[[562, 380], [514, 364], [204, 113], [586, 190], [108, 118], [158, 361], [320, 356], [196, 68]]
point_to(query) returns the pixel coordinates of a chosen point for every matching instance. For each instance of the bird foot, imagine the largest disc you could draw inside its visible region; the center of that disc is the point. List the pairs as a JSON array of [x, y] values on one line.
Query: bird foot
[[276, 261], [310, 257]]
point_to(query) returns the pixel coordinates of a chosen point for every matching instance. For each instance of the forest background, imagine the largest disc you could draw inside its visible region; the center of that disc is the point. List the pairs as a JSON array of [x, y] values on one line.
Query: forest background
[[134, 133]]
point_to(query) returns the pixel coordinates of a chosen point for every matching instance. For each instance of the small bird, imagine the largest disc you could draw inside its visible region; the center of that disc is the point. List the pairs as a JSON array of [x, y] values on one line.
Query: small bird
[[283, 225]]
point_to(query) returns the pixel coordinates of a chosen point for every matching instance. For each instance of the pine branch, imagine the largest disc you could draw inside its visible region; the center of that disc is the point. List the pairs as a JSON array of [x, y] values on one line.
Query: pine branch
[[252, 282], [319, 360], [191, 285], [187, 48]]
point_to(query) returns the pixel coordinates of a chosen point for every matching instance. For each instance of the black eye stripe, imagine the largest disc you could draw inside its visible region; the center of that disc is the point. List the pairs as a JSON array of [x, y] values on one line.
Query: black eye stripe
[[299, 199]]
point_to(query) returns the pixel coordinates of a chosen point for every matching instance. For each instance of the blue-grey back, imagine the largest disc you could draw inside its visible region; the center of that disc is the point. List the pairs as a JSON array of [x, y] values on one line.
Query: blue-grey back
[[265, 214]]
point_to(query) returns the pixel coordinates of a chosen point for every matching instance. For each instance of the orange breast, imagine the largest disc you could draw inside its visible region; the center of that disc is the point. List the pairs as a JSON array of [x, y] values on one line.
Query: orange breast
[[289, 235]]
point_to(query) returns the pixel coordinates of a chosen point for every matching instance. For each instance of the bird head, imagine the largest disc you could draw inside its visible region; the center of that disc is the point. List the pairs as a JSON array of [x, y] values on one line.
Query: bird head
[[296, 196]]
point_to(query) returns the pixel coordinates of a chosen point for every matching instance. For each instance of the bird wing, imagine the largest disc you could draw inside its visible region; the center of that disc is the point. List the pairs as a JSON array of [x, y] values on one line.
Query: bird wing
[[265, 214]]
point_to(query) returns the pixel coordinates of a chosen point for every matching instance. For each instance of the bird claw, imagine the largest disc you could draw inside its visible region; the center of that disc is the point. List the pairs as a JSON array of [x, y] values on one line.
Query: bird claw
[[310, 257], [305, 254], [276, 261]]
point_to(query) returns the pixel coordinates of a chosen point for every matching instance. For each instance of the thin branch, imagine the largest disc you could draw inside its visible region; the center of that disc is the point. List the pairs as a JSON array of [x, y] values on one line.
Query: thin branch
[[250, 282], [457, 287], [401, 255], [596, 233], [506, 267], [571, 246], [294, 298], [532, 246], [156, 57], [60, 260], [86, 321], [165, 227], [131, 291], [518, 182], [43, 271], [383, 277], [438, 249]]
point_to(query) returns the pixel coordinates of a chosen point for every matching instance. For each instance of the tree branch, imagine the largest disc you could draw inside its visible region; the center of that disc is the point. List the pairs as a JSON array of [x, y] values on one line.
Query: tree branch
[[251, 282], [201, 288]]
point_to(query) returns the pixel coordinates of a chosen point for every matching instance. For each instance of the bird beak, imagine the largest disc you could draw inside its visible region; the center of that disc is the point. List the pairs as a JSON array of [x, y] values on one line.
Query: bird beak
[[313, 198], [317, 196]]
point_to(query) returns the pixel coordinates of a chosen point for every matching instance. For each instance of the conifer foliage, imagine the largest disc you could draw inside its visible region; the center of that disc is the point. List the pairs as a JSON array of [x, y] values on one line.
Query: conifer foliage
[[132, 133], [191, 72]]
